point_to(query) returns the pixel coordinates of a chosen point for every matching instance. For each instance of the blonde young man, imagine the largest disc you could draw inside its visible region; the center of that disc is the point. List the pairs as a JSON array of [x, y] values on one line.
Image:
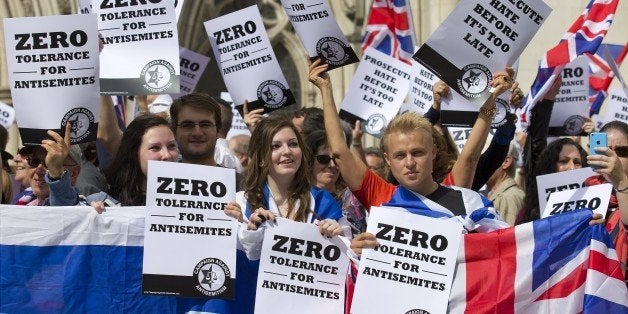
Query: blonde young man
[[410, 151]]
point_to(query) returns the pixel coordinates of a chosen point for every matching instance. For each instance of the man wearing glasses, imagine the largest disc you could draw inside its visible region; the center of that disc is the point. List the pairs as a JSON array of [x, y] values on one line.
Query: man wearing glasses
[[196, 119]]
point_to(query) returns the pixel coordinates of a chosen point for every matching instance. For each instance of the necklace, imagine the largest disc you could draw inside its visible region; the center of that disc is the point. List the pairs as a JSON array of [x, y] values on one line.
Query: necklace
[[282, 207]]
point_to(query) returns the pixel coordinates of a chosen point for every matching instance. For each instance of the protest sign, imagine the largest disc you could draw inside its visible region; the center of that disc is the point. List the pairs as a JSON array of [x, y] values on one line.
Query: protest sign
[[85, 6], [617, 106], [594, 197], [189, 242], [53, 72], [141, 50], [320, 34], [302, 270], [477, 39], [192, 65], [247, 61], [7, 115], [561, 181], [416, 256], [421, 84], [460, 136], [376, 92], [572, 100]]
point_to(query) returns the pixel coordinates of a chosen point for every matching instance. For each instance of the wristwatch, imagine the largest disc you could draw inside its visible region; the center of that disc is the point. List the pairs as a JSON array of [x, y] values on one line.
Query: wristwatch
[[56, 179], [488, 112]]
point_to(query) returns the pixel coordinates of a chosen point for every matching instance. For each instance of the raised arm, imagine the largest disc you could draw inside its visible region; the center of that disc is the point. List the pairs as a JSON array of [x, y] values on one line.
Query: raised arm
[[108, 131], [353, 169], [493, 156], [356, 141], [464, 167]]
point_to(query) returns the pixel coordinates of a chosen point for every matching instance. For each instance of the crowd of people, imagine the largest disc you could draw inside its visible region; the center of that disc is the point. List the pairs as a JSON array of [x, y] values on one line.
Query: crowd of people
[[309, 166]]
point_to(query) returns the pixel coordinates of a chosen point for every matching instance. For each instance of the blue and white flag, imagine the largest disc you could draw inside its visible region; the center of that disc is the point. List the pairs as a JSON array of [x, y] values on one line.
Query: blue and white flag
[[72, 260]]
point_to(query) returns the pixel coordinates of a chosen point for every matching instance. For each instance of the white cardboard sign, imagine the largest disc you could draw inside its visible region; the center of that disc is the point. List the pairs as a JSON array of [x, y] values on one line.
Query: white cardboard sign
[[247, 61], [561, 181], [594, 197], [477, 39], [189, 242], [192, 65], [616, 106], [302, 270], [416, 256], [376, 92], [572, 100], [141, 51], [53, 73], [319, 32]]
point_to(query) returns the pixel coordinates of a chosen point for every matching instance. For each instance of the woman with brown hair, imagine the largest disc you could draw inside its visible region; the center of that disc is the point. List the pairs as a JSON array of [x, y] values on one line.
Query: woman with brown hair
[[278, 184]]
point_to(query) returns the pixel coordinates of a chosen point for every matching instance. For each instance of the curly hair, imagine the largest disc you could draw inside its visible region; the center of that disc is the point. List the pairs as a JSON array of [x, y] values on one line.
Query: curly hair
[[260, 162], [127, 182], [545, 164]]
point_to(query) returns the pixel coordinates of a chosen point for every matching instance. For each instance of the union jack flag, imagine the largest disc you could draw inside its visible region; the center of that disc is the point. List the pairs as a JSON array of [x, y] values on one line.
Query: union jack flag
[[555, 265], [584, 36], [601, 73], [390, 29]]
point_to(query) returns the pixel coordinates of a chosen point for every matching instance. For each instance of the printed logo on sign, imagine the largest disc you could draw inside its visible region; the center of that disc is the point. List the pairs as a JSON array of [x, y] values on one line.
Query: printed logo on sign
[[573, 125], [375, 124], [80, 119], [271, 93], [211, 274], [502, 112], [474, 80], [417, 311], [332, 49], [157, 75]]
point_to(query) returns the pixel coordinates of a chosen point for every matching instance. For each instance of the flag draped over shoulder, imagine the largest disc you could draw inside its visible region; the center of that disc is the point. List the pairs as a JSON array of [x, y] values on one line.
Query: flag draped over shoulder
[[389, 29], [601, 73], [555, 265], [584, 36]]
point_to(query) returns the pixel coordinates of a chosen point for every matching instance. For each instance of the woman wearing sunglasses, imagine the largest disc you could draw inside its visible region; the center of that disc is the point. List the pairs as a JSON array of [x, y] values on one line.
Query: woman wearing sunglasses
[[327, 177], [613, 168]]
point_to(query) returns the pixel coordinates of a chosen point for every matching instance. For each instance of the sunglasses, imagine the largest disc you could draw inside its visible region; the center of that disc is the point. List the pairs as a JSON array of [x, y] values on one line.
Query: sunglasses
[[324, 159], [34, 161], [621, 151]]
